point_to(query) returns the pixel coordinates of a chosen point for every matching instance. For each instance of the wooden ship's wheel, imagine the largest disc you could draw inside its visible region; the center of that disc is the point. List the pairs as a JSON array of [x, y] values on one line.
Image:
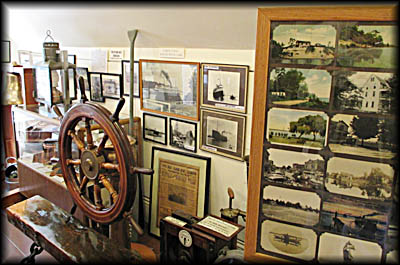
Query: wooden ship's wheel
[[101, 181]]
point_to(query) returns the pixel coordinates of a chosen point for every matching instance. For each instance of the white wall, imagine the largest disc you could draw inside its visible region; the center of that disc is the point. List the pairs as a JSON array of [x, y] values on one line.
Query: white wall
[[225, 172]]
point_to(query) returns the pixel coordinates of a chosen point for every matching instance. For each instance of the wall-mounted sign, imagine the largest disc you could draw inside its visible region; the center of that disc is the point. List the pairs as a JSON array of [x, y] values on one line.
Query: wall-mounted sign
[[115, 54]]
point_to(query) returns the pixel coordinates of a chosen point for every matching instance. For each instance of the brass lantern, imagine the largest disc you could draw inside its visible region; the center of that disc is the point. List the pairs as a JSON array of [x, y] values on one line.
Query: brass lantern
[[11, 91]]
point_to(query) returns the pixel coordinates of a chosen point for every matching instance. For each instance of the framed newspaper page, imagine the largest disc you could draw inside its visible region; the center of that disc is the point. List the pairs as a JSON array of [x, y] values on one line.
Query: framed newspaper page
[[323, 161], [180, 182]]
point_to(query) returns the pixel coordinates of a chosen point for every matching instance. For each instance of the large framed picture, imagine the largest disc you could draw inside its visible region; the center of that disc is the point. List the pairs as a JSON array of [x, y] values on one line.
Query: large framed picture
[[324, 144], [155, 128], [183, 134], [84, 72], [126, 78], [223, 133], [224, 86], [171, 86], [180, 182], [111, 85], [96, 87]]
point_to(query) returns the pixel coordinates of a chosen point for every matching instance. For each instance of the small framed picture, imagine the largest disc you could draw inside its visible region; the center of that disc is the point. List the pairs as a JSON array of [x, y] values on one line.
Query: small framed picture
[[72, 58], [84, 72], [73, 83], [126, 78], [224, 86], [223, 133], [183, 134], [180, 182], [96, 91], [111, 85], [173, 83], [155, 128]]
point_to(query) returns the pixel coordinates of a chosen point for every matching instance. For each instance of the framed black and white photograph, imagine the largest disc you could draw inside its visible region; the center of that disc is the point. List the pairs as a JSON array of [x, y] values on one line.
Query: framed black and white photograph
[[348, 250], [289, 205], [73, 83], [223, 133], [96, 90], [183, 134], [347, 216], [111, 84], [180, 182], [5, 51], [302, 88], [362, 179], [155, 128], [126, 78], [295, 169], [294, 241], [367, 136], [225, 86], [173, 83], [84, 72], [372, 92]]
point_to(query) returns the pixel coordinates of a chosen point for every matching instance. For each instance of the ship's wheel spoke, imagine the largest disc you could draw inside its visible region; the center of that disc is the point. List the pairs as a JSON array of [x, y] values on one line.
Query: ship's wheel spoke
[[97, 196], [109, 187], [83, 184], [89, 137], [102, 144], [75, 162], [110, 166], [77, 141]]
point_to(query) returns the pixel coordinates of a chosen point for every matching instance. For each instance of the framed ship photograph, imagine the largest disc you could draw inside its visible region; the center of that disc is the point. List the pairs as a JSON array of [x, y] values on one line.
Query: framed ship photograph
[[173, 83], [96, 88], [180, 182], [223, 133], [126, 78], [324, 142], [183, 134], [155, 128], [224, 86], [111, 84]]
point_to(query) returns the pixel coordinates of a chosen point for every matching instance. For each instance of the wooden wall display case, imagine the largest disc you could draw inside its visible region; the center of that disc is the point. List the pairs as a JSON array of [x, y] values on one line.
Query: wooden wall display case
[[323, 160]]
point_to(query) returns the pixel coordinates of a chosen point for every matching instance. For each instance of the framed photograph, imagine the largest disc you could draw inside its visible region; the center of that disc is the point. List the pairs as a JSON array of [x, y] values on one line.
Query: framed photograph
[[368, 136], [96, 89], [295, 87], [224, 86], [294, 169], [111, 85], [180, 182], [183, 134], [126, 78], [155, 128], [372, 92], [324, 132], [72, 58], [73, 84], [173, 83], [5, 51], [84, 72], [297, 128], [223, 133]]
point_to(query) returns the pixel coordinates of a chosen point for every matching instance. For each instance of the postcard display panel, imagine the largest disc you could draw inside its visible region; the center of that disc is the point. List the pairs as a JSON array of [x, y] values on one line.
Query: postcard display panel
[[329, 167]]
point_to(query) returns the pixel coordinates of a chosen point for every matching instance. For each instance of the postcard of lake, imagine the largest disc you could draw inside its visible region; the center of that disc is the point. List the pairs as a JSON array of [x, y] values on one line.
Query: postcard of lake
[[298, 128], [306, 88], [360, 179], [303, 44], [368, 46]]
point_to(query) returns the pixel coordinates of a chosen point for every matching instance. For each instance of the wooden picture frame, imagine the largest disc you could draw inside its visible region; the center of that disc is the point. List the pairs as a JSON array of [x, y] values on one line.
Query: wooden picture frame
[[183, 134], [271, 237], [84, 72], [126, 78], [172, 83], [155, 128], [224, 86], [180, 182], [112, 85], [223, 133], [96, 87]]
